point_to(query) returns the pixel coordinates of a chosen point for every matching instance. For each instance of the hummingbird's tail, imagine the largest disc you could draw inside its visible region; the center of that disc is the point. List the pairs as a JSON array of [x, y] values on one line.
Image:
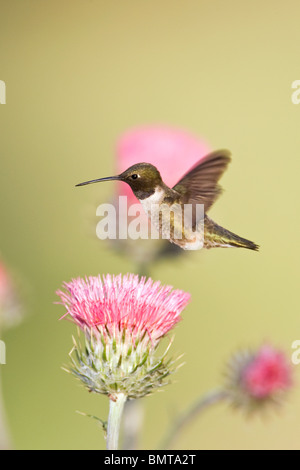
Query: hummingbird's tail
[[215, 235]]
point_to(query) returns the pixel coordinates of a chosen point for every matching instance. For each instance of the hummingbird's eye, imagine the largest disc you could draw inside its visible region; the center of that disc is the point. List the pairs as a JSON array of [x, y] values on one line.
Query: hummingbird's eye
[[134, 177]]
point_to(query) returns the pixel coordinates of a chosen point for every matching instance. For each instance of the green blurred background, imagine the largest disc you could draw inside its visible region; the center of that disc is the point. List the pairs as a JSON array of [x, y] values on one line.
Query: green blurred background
[[78, 74]]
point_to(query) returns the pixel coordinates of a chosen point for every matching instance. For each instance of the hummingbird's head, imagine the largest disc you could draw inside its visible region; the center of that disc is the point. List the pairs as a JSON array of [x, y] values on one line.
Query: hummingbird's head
[[143, 178]]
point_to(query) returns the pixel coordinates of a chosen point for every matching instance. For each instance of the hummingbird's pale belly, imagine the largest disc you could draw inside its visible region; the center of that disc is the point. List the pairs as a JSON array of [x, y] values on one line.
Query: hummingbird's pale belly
[[169, 222], [195, 244]]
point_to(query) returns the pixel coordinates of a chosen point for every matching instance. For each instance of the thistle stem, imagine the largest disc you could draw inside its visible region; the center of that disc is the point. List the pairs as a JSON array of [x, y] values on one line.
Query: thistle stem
[[189, 415], [114, 421]]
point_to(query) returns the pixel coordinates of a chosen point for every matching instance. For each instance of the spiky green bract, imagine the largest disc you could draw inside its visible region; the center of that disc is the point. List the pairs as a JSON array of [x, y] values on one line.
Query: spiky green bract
[[111, 364]]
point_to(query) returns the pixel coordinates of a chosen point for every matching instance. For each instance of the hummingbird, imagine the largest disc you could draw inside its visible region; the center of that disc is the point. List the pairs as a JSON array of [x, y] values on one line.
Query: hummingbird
[[198, 186]]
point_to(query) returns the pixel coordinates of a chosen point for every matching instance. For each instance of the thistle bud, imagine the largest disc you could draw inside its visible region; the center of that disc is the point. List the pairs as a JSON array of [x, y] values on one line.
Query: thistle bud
[[258, 378]]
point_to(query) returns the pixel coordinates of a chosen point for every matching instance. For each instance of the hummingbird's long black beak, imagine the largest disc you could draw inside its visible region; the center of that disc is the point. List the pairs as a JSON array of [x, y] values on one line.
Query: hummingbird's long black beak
[[109, 178]]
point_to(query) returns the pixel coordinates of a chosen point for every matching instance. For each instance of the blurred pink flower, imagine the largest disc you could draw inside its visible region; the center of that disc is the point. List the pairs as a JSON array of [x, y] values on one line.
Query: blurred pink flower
[[11, 311], [124, 302], [255, 379], [5, 283], [268, 373], [172, 150]]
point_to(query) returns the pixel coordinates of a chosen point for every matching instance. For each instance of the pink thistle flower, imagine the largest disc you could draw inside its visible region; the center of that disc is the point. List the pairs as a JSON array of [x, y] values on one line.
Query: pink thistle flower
[[258, 378], [123, 318], [124, 302]]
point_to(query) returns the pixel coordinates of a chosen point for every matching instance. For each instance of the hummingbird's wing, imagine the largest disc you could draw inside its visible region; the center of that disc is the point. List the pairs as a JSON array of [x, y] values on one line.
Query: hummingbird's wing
[[200, 184]]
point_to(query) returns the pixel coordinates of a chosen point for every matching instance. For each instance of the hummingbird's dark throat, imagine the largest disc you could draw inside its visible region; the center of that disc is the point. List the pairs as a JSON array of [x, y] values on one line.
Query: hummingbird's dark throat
[[141, 195]]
